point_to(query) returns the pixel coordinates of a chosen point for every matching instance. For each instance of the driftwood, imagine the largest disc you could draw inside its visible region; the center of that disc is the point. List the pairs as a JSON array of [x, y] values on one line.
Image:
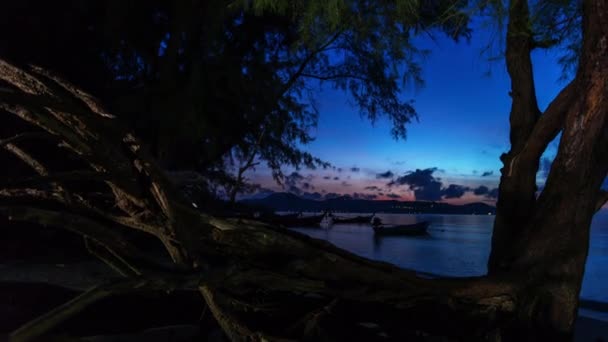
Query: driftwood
[[259, 282]]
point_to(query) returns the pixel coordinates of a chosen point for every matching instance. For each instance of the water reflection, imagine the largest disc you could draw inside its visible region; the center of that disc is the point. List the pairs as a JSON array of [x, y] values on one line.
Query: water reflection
[[457, 245]]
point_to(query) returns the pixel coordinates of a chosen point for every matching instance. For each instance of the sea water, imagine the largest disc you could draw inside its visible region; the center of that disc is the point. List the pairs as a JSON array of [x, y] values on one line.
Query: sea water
[[457, 245]]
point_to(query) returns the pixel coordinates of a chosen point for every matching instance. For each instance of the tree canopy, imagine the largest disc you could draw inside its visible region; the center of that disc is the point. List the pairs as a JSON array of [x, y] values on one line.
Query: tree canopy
[[209, 84]]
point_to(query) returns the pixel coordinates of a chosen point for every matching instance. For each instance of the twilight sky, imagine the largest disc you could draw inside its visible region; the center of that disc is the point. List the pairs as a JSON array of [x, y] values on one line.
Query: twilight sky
[[451, 154]]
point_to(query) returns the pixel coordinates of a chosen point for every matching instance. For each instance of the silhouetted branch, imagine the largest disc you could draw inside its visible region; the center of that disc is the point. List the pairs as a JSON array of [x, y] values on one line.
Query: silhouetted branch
[[91, 102], [335, 76], [111, 258], [23, 136], [80, 175], [93, 229], [309, 58], [43, 324], [549, 124], [230, 324]]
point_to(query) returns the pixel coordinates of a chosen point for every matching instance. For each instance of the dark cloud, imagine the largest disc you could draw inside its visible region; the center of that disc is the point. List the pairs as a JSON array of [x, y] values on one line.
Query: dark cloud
[[339, 169], [416, 178], [344, 183], [336, 178], [385, 175], [393, 196], [487, 173], [307, 186], [327, 177], [355, 169], [425, 186], [493, 194], [380, 194], [481, 190], [474, 172], [372, 188], [454, 191]]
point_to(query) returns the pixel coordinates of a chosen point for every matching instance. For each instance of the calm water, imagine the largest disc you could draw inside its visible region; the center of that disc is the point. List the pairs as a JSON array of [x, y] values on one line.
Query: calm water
[[457, 245]]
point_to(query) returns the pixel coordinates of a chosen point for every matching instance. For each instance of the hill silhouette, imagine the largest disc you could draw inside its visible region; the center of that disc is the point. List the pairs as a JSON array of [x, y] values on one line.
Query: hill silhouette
[[290, 202]]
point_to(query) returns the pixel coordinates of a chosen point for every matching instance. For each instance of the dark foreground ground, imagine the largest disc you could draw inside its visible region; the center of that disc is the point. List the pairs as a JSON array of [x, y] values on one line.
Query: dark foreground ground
[[41, 271]]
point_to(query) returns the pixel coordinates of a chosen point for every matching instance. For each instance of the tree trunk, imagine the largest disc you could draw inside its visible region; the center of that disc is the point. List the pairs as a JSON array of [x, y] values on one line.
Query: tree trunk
[[267, 283], [518, 180], [548, 238]]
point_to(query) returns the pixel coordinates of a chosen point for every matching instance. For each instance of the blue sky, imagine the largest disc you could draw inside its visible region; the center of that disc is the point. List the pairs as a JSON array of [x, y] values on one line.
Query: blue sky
[[463, 128]]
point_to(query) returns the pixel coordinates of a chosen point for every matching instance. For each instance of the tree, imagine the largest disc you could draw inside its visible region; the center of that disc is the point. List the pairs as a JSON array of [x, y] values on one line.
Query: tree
[[200, 80], [528, 231], [261, 282]]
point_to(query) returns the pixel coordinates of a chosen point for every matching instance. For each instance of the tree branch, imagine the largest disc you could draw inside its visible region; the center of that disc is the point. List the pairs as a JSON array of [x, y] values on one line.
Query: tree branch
[[111, 258], [23, 80], [27, 159], [79, 205], [524, 108], [549, 124], [230, 324], [42, 107], [335, 76], [23, 136], [294, 77], [89, 100], [43, 324], [38, 168], [31, 195], [80, 175], [81, 225]]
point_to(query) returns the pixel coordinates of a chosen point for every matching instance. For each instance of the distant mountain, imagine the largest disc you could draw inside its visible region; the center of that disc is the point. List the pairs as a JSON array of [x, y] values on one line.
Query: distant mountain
[[289, 202]]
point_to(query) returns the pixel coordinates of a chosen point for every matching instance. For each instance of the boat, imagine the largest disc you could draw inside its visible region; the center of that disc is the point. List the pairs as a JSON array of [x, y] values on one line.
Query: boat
[[296, 220], [415, 229], [356, 219]]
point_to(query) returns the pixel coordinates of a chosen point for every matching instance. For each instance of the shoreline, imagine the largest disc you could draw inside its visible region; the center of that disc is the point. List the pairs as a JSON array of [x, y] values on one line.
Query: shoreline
[[590, 329], [594, 305], [590, 305]]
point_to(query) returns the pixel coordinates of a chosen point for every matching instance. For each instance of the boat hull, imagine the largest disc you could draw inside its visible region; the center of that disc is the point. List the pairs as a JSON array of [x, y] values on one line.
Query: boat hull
[[301, 222], [357, 219]]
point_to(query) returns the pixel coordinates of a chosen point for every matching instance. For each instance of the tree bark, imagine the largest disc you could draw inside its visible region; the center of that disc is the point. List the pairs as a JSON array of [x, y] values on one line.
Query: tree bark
[[548, 238], [518, 181]]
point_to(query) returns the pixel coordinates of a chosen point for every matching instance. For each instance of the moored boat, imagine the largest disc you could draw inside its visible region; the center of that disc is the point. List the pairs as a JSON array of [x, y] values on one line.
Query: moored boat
[[356, 219], [415, 229], [296, 221]]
